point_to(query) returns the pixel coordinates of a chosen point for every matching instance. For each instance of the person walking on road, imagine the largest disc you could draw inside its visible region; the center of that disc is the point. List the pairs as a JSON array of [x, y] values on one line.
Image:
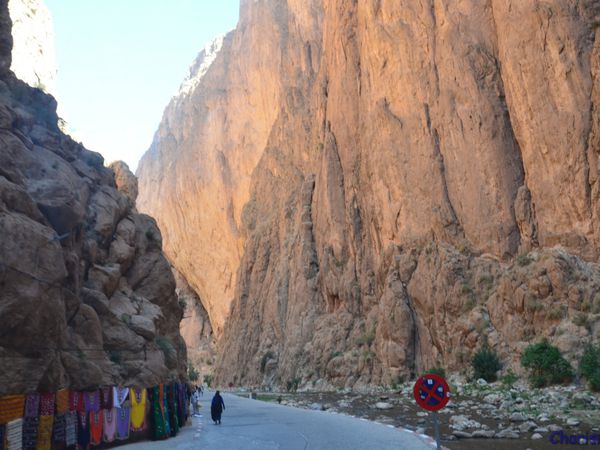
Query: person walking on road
[[216, 408]]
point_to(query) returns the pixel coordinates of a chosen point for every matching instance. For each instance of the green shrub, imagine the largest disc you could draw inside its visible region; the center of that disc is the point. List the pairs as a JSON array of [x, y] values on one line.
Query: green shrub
[[115, 357], [193, 374], [208, 379], [292, 384], [509, 379], [546, 365], [556, 312], [485, 364], [589, 366], [164, 343], [437, 371], [581, 320], [524, 260]]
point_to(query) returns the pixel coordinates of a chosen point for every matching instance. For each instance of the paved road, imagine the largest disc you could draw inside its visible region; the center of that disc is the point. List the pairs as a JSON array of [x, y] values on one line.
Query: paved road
[[256, 425]]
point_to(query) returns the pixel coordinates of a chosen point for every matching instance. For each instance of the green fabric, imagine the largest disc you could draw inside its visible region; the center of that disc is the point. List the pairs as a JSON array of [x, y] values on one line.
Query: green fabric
[[158, 417], [175, 419]]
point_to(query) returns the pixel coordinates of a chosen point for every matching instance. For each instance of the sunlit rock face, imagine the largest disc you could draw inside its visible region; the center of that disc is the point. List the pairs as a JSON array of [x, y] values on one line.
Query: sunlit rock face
[[351, 187], [87, 297], [33, 55]]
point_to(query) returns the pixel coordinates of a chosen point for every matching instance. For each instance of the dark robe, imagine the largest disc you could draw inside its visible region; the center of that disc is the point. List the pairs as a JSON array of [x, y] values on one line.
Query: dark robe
[[216, 407]]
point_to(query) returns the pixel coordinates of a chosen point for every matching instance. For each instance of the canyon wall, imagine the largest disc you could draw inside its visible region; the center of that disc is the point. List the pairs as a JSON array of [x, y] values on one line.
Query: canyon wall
[[33, 53], [86, 296], [359, 191]]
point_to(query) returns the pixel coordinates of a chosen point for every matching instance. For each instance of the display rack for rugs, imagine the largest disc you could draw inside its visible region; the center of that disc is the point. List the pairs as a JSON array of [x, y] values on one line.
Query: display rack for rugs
[[68, 419]]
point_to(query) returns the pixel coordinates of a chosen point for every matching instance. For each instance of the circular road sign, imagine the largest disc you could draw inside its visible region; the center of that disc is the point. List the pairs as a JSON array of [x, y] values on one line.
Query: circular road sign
[[431, 392]]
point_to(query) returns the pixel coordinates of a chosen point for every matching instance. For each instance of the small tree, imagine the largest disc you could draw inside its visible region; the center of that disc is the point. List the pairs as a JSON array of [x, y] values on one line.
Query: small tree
[[437, 371], [546, 365], [208, 379], [589, 366], [485, 364], [193, 374]]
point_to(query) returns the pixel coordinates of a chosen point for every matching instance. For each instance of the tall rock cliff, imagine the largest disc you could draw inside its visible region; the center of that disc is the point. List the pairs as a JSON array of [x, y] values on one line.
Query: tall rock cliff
[[373, 188], [33, 54], [86, 295]]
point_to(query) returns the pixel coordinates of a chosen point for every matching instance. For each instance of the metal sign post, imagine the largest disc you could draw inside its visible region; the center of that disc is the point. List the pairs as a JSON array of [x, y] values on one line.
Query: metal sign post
[[436, 429], [432, 393]]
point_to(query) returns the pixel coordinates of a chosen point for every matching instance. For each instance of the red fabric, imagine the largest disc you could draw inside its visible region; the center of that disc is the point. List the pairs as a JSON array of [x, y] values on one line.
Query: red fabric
[[47, 404], [96, 423], [76, 401]]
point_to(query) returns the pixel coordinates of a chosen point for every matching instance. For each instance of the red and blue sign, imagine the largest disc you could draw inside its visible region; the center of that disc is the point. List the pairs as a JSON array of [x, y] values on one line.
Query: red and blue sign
[[431, 392]]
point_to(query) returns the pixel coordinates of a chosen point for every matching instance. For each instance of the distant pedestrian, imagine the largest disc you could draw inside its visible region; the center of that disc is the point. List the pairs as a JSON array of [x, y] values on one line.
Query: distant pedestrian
[[216, 408], [195, 403]]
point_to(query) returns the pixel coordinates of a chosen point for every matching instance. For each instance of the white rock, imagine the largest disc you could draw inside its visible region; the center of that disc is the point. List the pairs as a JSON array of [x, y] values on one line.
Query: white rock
[[536, 436], [573, 422], [487, 434], [383, 405], [517, 417], [462, 434], [492, 398], [507, 434], [527, 426], [482, 382]]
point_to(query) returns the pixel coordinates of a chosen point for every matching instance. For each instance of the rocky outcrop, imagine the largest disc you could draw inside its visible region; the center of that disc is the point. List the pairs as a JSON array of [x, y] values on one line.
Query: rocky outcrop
[[33, 54], [126, 181], [87, 297], [383, 184]]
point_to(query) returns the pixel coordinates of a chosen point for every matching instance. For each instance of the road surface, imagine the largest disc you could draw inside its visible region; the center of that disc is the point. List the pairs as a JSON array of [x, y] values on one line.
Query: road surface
[[256, 425]]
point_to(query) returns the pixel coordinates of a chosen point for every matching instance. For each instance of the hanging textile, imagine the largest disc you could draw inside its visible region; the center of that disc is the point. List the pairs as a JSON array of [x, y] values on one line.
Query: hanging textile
[[91, 401], [106, 397], [2, 437], [110, 425], [138, 409], [120, 396], [96, 423], [182, 404], [76, 401], [30, 432], [83, 431], [62, 401], [157, 416], [71, 428], [32, 405], [14, 435], [44, 437], [59, 431], [172, 409], [47, 404], [166, 410], [123, 415], [11, 408]]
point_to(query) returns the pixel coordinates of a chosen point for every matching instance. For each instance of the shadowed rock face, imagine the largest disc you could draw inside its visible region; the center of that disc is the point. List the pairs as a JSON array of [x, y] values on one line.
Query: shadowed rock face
[[86, 295], [358, 185]]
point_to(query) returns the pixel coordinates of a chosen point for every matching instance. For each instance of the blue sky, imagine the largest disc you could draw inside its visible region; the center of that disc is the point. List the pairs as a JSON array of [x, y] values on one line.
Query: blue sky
[[121, 61]]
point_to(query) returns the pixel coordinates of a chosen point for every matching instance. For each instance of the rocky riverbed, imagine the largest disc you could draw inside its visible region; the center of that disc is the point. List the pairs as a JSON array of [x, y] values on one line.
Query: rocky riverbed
[[495, 415]]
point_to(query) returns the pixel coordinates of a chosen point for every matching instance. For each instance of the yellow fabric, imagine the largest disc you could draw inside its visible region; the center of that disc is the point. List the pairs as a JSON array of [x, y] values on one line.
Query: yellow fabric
[[138, 410], [62, 401], [11, 408], [44, 437]]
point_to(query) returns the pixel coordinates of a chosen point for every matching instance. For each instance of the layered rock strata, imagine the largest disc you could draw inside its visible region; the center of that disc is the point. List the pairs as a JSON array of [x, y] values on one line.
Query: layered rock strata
[[373, 188], [86, 296]]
